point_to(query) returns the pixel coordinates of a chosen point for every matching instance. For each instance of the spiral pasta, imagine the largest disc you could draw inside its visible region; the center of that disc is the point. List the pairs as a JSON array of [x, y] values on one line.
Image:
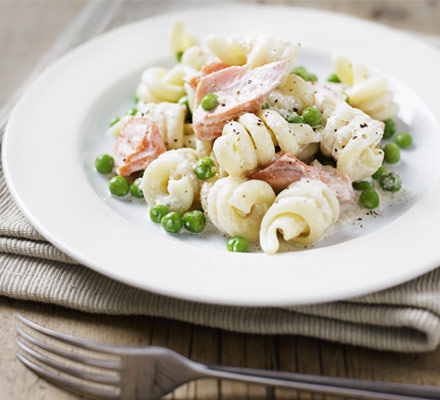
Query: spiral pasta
[[253, 50], [161, 84], [291, 97], [251, 142], [236, 206], [202, 147], [181, 39], [348, 72], [170, 180], [373, 97], [352, 138], [301, 213], [170, 119], [370, 94]]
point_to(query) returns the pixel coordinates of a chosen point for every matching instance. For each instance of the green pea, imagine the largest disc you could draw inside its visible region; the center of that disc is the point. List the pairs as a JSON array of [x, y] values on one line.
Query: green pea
[[184, 100], [301, 72], [390, 128], [333, 78], [179, 56], [312, 116], [158, 212], [403, 140], [104, 163], [369, 199], [136, 190], [114, 121], [172, 222], [205, 168], [381, 170], [265, 106], [237, 243], [391, 182], [294, 118], [131, 111], [363, 185], [392, 153], [209, 102], [194, 221], [136, 98], [119, 186]]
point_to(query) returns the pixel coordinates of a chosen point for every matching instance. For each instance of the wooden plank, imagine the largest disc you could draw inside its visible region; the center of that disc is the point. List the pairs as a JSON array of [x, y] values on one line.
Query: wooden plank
[[261, 352], [231, 347], [205, 349]]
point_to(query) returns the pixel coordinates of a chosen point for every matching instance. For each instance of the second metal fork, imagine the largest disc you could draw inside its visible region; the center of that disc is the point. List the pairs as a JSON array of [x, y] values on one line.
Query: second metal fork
[[152, 372]]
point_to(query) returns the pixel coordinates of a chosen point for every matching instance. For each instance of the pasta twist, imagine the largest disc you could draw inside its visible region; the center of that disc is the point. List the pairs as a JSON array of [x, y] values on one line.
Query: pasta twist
[[181, 39], [202, 147], [253, 50], [293, 96], [236, 206], [170, 119], [302, 213], [348, 72], [251, 142], [370, 94], [160, 84], [170, 181], [352, 138], [194, 57]]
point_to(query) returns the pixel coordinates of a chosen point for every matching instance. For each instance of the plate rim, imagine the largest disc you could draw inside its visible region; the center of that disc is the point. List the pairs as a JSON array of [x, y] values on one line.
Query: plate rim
[[65, 248]]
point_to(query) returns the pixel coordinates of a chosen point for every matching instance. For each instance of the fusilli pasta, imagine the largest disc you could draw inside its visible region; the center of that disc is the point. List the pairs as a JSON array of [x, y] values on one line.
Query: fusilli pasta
[[293, 96], [370, 94], [181, 39], [301, 213], [236, 206], [202, 147], [170, 118], [170, 180], [253, 50], [251, 142], [352, 138], [160, 84]]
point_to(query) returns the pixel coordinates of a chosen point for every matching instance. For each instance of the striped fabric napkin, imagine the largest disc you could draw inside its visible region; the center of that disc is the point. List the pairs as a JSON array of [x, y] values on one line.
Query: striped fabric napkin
[[405, 318]]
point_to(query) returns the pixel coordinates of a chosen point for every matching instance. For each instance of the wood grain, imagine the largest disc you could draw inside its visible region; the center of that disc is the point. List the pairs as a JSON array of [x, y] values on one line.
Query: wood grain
[[26, 29], [211, 346]]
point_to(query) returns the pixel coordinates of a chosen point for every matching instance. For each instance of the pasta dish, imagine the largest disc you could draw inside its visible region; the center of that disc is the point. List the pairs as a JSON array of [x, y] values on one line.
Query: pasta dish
[[237, 135]]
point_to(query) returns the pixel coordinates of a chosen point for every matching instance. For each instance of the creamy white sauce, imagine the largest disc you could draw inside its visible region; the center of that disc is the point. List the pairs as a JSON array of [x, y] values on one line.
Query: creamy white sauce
[[352, 218]]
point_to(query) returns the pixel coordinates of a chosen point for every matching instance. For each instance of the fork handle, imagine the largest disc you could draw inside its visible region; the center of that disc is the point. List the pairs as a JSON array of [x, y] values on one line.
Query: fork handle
[[361, 389]]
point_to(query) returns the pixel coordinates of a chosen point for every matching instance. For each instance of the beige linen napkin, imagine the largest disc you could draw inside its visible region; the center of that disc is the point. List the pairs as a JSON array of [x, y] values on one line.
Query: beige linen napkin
[[405, 318]]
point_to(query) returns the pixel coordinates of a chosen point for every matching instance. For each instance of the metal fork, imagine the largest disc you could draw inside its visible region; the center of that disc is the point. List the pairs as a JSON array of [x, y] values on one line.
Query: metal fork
[[152, 372]]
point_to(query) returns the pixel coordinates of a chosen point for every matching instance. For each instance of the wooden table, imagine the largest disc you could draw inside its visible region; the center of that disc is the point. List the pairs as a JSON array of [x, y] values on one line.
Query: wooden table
[[26, 30]]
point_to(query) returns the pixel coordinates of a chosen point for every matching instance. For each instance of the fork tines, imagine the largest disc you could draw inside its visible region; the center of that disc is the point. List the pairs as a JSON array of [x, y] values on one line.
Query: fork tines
[[83, 383]]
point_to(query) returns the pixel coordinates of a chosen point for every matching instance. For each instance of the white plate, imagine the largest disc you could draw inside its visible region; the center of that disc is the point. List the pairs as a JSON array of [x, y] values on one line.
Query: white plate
[[58, 128]]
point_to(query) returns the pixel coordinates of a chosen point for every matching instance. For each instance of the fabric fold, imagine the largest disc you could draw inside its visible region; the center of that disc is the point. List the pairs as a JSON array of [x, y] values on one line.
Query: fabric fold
[[405, 318], [412, 327]]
